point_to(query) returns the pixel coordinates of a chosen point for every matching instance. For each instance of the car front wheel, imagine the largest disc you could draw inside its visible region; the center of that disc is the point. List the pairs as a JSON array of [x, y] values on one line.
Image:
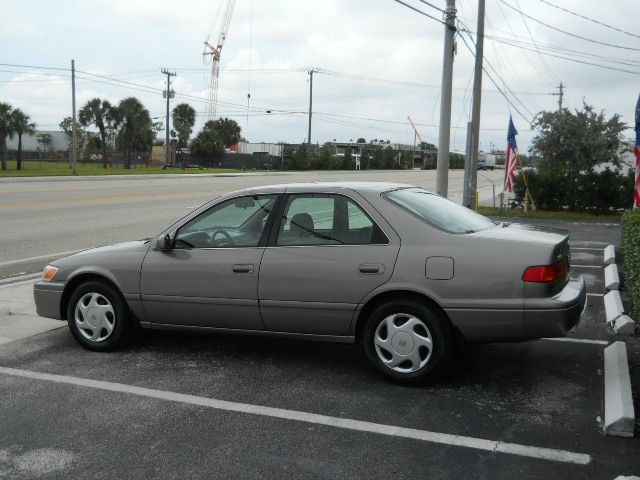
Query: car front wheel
[[98, 317], [407, 341]]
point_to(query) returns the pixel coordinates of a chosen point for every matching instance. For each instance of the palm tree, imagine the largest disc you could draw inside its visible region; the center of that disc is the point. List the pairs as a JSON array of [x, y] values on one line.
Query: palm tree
[[105, 118], [21, 126], [5, 131], [184, 118], [136, 131]]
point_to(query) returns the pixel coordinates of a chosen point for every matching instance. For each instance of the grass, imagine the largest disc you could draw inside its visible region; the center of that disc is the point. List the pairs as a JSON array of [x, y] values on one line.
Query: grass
[[550, 215], [34, 168]]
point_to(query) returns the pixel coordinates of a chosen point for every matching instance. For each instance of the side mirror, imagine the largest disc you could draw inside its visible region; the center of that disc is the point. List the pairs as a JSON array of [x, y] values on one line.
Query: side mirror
[[164, 243]]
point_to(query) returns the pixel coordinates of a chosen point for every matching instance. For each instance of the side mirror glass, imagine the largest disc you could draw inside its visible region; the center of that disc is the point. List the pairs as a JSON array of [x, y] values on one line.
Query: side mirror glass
[[164, 242]]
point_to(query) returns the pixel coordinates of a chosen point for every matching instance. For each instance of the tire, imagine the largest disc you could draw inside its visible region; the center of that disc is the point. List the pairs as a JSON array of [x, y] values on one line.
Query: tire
[[98, 317], [404, 356]]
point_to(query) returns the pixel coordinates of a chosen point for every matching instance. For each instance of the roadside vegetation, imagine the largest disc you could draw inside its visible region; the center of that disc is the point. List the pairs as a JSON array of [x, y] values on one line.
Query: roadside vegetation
[[631, 257], [577, 160], [32, 168], [549, 214]]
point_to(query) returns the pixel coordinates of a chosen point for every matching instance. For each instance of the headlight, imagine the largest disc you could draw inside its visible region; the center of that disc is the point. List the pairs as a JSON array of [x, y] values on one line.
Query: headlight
[[49, 272]]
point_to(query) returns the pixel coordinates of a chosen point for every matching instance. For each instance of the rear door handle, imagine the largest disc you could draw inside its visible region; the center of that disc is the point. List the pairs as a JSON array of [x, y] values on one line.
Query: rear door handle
[[371, 268], [243, 268]]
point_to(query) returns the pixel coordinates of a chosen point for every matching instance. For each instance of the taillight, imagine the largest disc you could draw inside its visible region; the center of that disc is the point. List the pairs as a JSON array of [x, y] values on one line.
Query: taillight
[[546, 273]]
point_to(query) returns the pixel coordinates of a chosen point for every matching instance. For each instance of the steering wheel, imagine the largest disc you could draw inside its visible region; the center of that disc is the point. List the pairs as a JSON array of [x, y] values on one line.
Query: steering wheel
[[224, 233]]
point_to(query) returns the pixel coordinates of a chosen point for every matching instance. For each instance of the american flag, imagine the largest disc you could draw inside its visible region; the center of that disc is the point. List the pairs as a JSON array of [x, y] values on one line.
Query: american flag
[[512, 157], [636, 191]]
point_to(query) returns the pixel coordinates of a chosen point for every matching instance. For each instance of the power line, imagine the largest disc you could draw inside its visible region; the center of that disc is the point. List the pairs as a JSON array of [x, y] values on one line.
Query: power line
[[547, 47], [598, 22], [584, 62], [420, 11], [549, 70], [432, 5], [613, 45], [495, 83], [506, 86]]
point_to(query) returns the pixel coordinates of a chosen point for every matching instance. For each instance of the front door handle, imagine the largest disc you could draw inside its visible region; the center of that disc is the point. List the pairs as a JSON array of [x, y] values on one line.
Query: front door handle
[[243, 268], [371, 268]]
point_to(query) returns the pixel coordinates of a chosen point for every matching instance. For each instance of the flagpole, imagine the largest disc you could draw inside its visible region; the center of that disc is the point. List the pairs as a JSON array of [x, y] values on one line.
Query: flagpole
[[636, 151]]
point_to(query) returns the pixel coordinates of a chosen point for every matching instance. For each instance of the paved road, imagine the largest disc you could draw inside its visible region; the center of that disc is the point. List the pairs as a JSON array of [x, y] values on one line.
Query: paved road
[[164, 407], [46, 216]]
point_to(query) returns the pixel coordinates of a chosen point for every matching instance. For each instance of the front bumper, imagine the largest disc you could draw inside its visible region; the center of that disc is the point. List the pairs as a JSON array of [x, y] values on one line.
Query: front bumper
[[557, 315], [48, 298]]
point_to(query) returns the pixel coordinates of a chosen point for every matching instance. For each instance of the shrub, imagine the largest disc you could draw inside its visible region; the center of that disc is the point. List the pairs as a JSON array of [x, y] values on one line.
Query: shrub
[[585, 192], [631, 257]]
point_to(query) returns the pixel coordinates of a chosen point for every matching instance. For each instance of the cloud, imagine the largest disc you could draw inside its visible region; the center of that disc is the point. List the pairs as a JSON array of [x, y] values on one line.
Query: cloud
[[278, 40]]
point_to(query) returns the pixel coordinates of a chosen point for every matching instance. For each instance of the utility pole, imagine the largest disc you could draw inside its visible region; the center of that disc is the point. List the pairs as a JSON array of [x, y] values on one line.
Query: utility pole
[[472, 186], [168, 95], [310, 107], [74, 130], [467, 166], [560, 94], [442, 174]]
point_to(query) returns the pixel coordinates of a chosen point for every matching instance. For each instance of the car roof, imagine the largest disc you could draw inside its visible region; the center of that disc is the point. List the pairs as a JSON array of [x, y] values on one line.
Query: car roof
[[372, 187]]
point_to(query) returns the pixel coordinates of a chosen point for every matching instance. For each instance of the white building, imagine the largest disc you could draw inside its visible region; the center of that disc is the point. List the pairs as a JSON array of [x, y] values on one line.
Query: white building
[[59, 141]]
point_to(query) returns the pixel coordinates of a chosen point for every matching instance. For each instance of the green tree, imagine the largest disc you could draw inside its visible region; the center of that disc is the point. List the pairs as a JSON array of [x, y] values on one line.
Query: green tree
[[104, 117], [66, 125], [44, 140], [573, 152], [21, 126], [184, 118], [348, 163], [569, 143], [456, 160], [300, 160], [208, 142], [228, 131], [135, 132], [6, 130], [323, 161], [361, 140]]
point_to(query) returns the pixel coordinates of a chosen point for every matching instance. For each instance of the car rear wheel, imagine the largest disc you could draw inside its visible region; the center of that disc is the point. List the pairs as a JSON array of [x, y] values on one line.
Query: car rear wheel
[[98, 317], [408, 342]]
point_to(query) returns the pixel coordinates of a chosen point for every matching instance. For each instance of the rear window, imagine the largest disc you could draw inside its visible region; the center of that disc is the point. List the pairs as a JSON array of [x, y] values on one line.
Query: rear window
[[438, 211]]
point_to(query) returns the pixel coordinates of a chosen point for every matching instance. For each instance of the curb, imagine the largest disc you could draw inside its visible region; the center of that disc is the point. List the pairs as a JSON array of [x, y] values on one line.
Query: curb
[[624, 325], [613, 306], [619, 416], [609, 255], [611, 277]]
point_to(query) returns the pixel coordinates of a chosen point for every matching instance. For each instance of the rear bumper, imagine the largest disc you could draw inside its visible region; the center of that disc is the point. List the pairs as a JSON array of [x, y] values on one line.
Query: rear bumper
[[48, 297], [557, 315]]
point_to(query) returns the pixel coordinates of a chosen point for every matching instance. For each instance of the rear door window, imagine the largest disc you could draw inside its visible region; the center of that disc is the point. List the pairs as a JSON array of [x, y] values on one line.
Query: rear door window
[[327, 219]]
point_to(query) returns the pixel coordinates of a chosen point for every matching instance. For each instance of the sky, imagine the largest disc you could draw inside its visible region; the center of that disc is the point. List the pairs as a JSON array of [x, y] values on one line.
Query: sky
[[378, 63]]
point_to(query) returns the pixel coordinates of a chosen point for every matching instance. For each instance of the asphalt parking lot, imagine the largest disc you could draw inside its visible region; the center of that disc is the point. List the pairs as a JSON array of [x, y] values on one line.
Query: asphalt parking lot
[[212, 406]]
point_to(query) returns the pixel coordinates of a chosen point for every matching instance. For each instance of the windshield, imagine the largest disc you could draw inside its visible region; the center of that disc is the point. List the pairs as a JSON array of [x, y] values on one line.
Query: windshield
[[439, 212]]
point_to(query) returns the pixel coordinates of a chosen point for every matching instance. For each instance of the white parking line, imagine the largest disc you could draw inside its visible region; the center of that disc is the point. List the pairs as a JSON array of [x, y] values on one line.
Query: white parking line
[[495, 446], [585, 266], [578, 340], [587, 248], [595, 294]]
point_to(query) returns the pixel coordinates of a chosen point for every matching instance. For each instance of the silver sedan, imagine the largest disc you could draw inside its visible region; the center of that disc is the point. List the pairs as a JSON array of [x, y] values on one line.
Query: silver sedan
[[406, 273]]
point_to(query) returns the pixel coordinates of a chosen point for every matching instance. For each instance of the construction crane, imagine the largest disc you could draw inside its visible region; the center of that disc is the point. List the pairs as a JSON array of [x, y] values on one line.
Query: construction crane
[[417, 134], [216, 52]]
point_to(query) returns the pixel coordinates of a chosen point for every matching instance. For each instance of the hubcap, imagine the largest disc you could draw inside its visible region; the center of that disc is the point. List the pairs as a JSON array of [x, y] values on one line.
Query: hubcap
[[403, 343], [95, 317]]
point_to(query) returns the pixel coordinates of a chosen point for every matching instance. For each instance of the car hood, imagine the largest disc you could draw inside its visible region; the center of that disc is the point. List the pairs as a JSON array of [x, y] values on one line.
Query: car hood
[[107, 250], [518, 232]]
